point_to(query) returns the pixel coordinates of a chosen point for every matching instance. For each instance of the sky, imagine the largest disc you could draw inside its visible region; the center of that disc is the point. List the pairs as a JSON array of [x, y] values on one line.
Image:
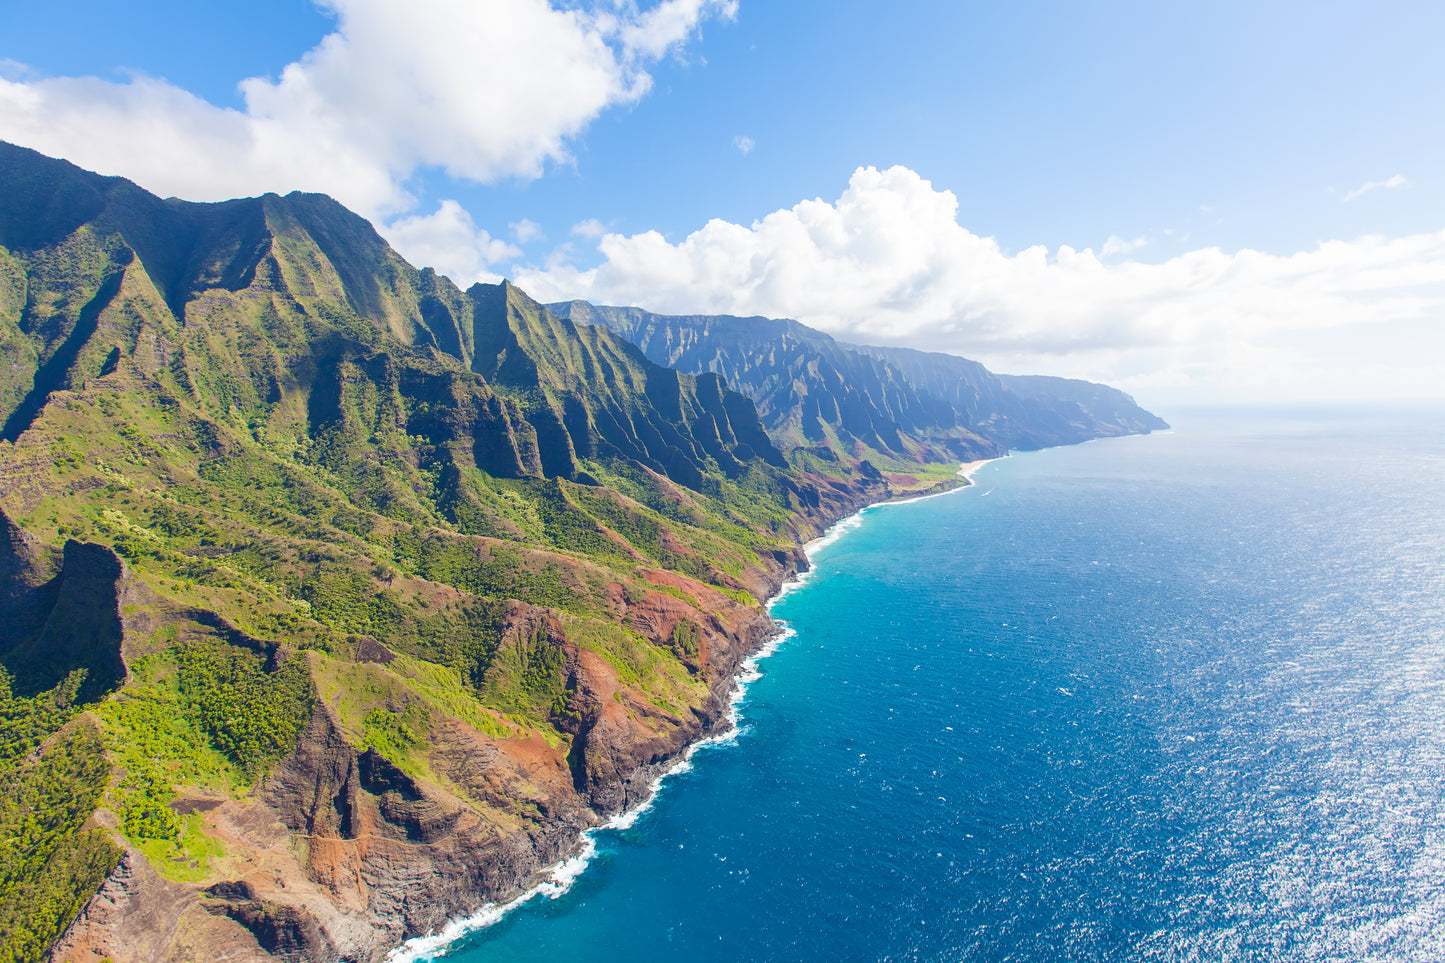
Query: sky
[[1232, 201]]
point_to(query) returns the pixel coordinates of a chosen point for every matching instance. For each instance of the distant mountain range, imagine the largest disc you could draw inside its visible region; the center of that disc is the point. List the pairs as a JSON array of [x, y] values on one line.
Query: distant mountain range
[[337, 601], [811, 390]]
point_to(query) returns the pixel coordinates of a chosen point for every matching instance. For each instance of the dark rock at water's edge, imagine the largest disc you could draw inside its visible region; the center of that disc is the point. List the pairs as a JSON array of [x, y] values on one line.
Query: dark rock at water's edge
[[341, 598]]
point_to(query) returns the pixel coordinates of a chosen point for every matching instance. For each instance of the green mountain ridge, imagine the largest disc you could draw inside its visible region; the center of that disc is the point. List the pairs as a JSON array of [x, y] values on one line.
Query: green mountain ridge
[[811, 389], [338, 600], [1021, 411]]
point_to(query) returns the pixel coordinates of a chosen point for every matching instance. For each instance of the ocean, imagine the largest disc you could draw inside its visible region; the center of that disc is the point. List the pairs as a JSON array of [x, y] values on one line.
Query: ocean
[[1172, 697]]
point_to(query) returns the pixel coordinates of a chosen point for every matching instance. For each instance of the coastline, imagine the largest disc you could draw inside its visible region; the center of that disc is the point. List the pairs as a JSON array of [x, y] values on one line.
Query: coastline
[[966, 471], [736, 809], [555, 881]]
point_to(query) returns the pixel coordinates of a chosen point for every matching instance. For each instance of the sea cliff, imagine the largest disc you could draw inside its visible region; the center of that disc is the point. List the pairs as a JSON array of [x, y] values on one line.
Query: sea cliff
[[340, 601], [339, 854]]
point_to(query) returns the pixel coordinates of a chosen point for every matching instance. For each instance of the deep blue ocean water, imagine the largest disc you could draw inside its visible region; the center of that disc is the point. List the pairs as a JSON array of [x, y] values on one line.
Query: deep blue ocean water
[[1176, 697]]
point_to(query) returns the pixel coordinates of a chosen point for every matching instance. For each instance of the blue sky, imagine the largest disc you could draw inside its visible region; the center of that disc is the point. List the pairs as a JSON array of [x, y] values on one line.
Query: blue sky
[[1169, 140]]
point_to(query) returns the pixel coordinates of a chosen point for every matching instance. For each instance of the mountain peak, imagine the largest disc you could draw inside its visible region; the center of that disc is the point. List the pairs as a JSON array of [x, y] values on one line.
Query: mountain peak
[[409, 575]]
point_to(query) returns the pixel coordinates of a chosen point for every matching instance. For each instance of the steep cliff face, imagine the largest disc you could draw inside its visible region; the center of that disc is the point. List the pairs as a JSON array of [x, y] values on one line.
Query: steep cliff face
[[812, 390], [338, 601], [1031, 411], [593, 395], [809, 389], [384, 854], [62, 627], [27, 586], [1092, 410], [62, 612], [343, 598]]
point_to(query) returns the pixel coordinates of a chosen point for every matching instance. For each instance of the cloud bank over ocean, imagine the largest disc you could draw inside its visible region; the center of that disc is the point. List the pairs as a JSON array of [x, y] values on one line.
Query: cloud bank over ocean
[[452, 88], [888, 262]]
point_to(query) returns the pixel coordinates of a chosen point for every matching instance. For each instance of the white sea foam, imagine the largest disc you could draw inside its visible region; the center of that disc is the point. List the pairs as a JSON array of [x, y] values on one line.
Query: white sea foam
[[558, 879], [842, 527], [810, 551], [910, 501], [837, 531], [966, 471]]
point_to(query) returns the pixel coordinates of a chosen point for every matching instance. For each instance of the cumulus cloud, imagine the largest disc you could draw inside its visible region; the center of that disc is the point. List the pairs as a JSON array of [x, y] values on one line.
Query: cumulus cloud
[[526, 231], [1118, 245], [667, 25], [483, 90], [888, 263], [1389, 183], [744, 143], [450, 241], [591, 227]]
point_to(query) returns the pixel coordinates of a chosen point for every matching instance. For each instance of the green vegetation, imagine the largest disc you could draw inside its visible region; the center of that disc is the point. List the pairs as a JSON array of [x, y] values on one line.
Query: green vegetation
[[652, 671], [162, 744], [740, 596], [49, 865], [498, 571], [151, 733], [187, 856], [250, 714], [528, 677], [396, 734], [684, 638], [25, 723], [144, 806], [393, 708], [330, 478], [444, 691]]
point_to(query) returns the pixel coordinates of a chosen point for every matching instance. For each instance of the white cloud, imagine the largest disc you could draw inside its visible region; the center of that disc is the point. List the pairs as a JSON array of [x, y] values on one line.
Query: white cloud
[[589, 228], [484, 90], [526, 231], [667, 25], [888, 263], [1389, 183], [450, 241], [744, 143], [1118, 245], [560, 255]]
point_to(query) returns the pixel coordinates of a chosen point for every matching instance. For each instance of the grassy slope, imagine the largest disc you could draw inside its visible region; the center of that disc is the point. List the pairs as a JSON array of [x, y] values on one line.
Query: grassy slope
[[302, 447]]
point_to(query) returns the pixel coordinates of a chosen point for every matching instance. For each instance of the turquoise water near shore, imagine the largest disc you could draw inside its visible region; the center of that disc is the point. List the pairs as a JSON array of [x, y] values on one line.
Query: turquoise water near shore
[[1172, 697]]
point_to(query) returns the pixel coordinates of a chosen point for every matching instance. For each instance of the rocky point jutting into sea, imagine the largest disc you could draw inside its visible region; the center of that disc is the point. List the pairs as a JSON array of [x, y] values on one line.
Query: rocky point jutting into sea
[[340, 601]]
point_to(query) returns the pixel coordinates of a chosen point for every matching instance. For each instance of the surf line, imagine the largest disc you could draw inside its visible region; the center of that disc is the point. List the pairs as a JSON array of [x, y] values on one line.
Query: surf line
[[965, 471], [557, 879]]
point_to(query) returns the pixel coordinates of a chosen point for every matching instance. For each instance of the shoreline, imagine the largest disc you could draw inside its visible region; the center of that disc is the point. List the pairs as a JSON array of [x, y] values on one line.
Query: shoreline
[[558, 879]]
